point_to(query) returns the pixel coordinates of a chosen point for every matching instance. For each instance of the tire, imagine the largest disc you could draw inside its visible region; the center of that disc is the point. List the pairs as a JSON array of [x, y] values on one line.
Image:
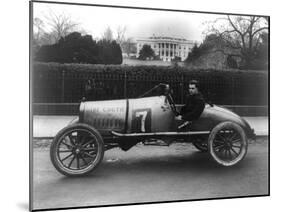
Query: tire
[[228, 143], [77, 150]]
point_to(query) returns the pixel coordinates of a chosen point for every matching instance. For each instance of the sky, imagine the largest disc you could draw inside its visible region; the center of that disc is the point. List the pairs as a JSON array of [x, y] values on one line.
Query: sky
[[139, 23]]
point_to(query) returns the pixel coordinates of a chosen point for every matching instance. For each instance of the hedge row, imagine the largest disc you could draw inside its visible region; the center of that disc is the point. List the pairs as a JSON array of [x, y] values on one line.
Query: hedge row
[[54, 82], [99, 68]]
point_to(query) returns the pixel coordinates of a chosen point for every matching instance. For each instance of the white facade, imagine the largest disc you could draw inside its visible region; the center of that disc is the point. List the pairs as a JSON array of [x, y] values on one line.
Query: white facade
[[167, 47]]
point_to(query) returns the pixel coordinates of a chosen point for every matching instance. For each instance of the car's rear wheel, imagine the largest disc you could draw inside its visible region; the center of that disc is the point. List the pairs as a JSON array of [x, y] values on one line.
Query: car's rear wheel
[[228, 143], [77, 150]]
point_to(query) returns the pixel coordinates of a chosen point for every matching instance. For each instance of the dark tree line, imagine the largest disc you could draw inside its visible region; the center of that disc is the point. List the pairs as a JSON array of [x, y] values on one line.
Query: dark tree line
[[76, 48]]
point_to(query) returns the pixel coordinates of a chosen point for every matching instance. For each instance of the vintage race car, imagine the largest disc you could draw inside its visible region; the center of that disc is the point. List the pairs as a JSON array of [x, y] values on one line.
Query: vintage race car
[[79, 148]]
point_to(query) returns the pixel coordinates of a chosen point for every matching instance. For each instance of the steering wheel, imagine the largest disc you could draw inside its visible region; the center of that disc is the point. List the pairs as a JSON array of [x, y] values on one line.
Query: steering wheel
[[172, 103]]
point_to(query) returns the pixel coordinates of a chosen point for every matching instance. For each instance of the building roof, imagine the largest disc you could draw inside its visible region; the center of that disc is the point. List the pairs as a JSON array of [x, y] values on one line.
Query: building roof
[[165, 38]]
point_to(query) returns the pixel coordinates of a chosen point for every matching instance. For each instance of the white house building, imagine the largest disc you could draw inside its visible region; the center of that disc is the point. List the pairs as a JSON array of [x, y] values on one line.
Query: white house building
[[167, 47]]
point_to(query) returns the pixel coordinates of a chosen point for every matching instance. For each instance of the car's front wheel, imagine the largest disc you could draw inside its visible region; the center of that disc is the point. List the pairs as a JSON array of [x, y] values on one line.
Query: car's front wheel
[[77, 150], [228, 143]]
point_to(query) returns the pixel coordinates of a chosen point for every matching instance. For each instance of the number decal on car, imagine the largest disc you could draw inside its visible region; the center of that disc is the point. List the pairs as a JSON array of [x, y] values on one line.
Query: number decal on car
[[142, 115], [141, 120]]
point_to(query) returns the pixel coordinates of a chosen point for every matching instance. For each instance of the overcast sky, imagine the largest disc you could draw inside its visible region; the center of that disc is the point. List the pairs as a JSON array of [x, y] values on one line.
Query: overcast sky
[[139, 23]]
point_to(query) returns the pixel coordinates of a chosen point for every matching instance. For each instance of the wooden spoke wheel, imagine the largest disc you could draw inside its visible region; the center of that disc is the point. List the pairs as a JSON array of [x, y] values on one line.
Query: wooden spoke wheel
[[228, 143], [77, 150]]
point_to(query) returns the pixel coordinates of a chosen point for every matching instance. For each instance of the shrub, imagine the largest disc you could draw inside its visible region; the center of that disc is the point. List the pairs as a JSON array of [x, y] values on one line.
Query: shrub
[[53, 82], [75, 48]]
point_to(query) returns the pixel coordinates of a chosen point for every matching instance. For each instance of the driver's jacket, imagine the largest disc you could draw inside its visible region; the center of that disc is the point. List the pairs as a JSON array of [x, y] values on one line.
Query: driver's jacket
[[193, 107]]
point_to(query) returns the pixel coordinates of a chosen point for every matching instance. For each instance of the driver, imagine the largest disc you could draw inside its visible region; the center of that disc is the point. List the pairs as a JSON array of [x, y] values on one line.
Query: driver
[[194, 104]]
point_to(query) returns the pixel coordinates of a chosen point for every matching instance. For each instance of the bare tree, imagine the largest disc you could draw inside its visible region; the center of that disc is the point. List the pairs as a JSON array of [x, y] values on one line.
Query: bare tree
[[60, 25], [128, 46], [38, 29], [108, 34], [241, 35], [120, 38]]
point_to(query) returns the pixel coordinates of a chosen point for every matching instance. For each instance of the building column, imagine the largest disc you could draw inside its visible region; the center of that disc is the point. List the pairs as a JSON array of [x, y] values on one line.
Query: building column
[[173, 47], [168, 51], [164, 50]]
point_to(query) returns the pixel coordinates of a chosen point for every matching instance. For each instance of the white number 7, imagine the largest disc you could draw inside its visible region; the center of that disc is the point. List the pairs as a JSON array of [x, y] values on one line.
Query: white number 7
[[143, 117]]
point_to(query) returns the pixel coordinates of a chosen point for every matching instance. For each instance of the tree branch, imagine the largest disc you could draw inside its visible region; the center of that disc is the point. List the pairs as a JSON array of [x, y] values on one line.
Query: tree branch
[[260, 29], [235, 28], [229, 43], [257, 43]]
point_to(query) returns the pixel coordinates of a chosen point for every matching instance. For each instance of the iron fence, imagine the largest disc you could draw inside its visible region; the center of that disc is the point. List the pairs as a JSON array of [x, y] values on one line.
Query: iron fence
[[64, 84]]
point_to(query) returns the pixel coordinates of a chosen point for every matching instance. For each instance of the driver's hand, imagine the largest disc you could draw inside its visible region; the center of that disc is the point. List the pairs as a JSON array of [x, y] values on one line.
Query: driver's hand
[[178, 117]]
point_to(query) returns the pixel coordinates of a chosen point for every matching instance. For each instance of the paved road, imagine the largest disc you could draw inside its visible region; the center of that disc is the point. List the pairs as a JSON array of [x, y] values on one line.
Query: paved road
[[149, 174]]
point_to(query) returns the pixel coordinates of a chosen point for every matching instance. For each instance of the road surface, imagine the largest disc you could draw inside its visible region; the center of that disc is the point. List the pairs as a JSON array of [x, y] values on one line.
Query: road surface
[[150, 174]]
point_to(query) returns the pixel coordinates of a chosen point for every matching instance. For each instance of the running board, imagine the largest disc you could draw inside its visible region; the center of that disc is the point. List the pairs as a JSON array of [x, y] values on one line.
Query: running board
[[159, 134]]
